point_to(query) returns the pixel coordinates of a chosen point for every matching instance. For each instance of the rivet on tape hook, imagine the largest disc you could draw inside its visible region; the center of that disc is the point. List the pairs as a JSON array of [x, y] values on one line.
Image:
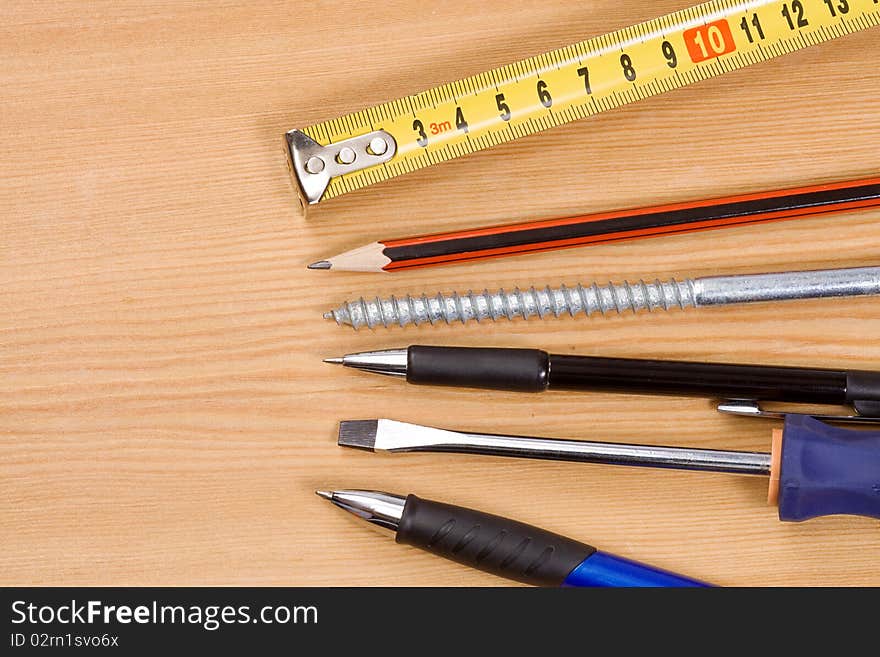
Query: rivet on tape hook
[[313, 165]]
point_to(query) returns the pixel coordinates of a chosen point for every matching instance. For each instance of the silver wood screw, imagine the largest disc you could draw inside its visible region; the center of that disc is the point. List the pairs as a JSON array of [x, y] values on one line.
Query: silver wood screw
[[604, 299]]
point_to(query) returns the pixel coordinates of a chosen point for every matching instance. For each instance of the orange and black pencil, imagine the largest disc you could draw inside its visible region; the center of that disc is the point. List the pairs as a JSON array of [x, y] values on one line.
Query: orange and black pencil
[[468, 245]]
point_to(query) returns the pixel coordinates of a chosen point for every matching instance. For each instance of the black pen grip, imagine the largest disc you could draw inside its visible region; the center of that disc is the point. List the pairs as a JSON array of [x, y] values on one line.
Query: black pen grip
[[500, 546], [523, 370]]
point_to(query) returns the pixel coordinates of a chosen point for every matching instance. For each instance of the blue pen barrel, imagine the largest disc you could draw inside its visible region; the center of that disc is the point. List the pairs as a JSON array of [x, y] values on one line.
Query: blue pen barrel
[[606, 570], [827, 470]]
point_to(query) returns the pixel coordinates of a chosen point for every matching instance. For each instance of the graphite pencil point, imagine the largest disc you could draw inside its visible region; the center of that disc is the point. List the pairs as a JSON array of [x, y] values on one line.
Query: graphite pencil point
[[321, 264]]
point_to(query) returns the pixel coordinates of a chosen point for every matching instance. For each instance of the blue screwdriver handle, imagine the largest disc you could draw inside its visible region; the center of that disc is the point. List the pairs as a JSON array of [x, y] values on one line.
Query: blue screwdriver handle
[[827, 470]]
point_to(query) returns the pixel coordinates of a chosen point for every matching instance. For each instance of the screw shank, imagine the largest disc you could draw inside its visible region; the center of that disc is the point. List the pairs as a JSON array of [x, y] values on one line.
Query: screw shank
[[784, 286]]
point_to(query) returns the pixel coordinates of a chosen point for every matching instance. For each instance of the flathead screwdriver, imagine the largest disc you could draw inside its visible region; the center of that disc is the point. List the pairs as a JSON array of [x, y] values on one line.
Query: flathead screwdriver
[[815, 469]]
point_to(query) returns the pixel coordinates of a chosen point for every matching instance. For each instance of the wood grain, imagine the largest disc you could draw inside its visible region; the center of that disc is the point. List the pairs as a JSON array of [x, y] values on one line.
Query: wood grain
[[164, 412]]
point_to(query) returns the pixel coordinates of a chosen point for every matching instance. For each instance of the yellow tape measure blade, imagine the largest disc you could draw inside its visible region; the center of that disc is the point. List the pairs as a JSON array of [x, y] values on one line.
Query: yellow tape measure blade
[[379, 143]]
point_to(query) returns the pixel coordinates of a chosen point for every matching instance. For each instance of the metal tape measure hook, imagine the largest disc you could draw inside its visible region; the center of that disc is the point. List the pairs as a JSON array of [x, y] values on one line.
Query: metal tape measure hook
[[314, 165]]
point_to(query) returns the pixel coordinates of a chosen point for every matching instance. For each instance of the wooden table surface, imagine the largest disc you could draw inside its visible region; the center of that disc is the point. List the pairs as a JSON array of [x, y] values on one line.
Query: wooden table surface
[[164, 412]]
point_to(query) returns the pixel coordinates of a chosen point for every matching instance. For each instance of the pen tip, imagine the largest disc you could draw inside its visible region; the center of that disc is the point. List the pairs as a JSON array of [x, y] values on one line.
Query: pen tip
[[329, 315], [321, 264], [334, 361], [326, 494]]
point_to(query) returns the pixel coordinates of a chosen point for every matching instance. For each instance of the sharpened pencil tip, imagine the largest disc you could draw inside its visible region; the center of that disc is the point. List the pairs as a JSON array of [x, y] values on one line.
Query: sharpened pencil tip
[[321, 264], [326, 494], [334, 361]]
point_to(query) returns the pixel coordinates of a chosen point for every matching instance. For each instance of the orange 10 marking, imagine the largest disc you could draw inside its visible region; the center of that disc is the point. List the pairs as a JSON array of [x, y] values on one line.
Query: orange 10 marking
[[707, 41]]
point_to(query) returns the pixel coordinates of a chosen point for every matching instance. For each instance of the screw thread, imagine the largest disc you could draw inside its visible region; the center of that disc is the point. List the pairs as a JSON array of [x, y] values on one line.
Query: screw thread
[[455, 307]]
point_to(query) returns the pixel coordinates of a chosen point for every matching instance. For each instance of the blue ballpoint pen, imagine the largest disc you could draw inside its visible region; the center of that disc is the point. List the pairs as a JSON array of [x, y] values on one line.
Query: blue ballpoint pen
[[498, 545]]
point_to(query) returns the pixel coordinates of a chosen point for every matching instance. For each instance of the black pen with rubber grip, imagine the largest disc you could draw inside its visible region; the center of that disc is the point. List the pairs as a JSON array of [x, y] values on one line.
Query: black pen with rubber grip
[[533, 370], [501, 546]]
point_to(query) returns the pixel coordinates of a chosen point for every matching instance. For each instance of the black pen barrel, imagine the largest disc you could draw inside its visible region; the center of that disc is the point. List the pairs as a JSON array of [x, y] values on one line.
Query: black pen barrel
[[533, 370], [792, 384]]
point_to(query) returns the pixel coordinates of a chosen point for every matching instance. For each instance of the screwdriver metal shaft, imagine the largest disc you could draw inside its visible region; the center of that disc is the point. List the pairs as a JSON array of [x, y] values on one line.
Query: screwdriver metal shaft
[[389, 436], [611, 298]]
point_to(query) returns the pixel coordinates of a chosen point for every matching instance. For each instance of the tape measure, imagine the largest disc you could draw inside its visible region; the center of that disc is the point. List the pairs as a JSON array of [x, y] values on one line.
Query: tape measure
[[373, 145]]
